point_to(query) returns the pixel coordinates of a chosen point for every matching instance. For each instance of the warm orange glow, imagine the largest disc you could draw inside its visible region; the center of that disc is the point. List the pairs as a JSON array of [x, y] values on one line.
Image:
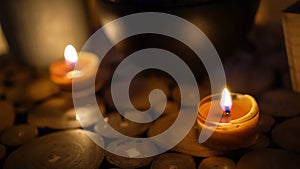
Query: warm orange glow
[[71, 56], [226, 101]]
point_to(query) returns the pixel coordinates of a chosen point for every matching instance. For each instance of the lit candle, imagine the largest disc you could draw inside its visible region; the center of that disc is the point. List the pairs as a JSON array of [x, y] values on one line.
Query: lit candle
[[233, 120], [75, 69]]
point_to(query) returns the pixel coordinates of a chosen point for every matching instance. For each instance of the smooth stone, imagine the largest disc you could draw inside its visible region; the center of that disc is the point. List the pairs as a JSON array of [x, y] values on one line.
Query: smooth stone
[[265, 123], [280, 103], [286, 134], [268, 159]]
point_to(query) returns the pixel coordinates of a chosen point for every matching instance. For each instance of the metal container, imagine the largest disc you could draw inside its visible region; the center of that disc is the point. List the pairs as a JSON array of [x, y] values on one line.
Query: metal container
[[225, 22]]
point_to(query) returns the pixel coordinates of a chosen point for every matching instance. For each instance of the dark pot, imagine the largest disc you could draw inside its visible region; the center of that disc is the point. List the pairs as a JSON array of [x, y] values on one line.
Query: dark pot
[[225, 22]]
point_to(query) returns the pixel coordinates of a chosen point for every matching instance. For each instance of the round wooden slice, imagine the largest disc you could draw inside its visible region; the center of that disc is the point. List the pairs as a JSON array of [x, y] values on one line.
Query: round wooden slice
[[58, 113], [19, 134], [280, 103], [120, 124], [139, 92], [2, 151], [217, 163], [189, 144], [173, 161], [67, 149], [161, 124], [265, 123], [170, 108], [186, 101], [15, 93], [268, 159], [130, 149], [24, 106], [7, 114], [18, 74], [287, 135], [40, 89]]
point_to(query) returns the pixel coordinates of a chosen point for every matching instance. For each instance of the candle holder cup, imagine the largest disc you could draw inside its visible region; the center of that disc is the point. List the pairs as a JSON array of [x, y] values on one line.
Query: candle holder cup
[[234, 131]]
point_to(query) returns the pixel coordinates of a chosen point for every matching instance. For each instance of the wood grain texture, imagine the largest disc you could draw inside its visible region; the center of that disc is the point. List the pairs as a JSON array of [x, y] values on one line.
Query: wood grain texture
[[173, 161], [18, 134], [71, 149]]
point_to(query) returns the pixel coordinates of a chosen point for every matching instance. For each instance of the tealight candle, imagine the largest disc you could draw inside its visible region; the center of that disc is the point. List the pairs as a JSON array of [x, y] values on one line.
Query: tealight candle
[[237, 125], [75, 69]]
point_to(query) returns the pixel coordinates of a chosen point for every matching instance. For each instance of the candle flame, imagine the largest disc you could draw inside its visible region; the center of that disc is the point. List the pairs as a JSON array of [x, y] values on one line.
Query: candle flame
[[226, 101], [71, 56]]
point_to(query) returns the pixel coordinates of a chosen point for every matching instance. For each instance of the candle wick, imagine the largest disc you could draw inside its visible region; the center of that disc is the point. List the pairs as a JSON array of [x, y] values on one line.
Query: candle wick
[[227, 111]]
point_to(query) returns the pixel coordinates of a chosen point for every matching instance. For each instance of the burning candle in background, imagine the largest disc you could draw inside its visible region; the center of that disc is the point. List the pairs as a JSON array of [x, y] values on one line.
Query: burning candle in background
[[236, 128], [80, 69]]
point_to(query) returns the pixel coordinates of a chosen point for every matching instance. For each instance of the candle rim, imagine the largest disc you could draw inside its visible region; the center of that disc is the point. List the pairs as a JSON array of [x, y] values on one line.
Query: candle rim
[[251, 114]]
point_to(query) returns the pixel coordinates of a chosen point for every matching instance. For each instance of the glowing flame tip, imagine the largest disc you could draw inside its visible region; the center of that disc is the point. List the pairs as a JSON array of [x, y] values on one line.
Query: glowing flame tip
[[226, 101], [70, 54]]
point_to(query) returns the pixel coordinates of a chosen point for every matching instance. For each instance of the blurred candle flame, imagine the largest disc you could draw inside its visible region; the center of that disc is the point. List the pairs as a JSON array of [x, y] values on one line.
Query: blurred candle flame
[[226, 101], [71, 56]]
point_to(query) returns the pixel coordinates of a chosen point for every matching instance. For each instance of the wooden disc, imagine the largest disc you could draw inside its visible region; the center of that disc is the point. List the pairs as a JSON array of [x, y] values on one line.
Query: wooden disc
[[171, 107], [7, 114], [280, 103], [161, 124], [58, 113], [268, 159], [217, 163], [37, 90], [67, 149], [139, 92], [19, 134], [189, 144], [131, 149], [18, 74], [173, 161], [15, 93], [2, 151], [265, 123], [122, 125], [40, 89], [287, 135], [190, 92]]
